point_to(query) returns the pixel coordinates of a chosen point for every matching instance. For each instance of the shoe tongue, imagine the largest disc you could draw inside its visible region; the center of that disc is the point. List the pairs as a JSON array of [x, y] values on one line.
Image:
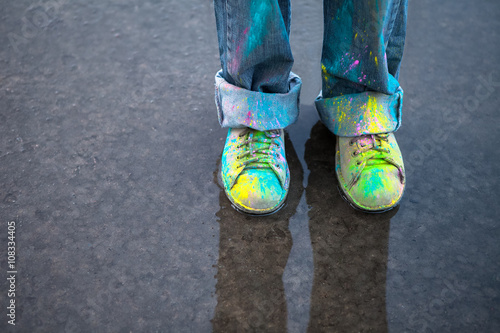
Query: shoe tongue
[[258, 135], [257, 165], [376, 157], [255, 145], [365, 141], [376, 161], [260, 141]]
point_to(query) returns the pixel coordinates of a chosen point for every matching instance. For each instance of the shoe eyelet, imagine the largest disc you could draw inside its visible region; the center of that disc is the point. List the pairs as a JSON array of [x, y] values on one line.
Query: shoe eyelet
[[351, 143], [358, 163]]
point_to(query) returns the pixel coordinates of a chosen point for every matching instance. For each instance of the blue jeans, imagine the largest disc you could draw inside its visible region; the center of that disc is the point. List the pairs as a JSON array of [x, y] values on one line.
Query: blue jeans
[[362, 50]]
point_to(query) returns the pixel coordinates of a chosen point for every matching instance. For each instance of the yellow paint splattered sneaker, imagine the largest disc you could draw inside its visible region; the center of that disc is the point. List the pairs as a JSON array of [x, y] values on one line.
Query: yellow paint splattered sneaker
[[254, 170], [370, 171]]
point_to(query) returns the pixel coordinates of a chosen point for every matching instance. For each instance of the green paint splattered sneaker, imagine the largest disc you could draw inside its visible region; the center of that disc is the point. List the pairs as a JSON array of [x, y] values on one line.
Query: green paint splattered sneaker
[[370, 171], [254, 170]]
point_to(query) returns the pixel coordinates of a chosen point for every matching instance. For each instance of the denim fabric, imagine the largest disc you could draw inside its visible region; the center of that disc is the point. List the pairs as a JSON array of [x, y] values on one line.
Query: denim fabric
[[362, 113], [363, 45], [238, 107], [254, 48], [362, 49]]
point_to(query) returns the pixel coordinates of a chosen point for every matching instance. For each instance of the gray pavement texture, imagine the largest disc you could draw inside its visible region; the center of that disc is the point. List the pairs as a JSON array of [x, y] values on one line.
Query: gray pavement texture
[[109, 150]]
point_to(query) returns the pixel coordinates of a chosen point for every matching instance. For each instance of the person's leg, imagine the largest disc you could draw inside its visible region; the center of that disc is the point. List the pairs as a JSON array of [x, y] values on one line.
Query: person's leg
[[257, 96], [361, 98]]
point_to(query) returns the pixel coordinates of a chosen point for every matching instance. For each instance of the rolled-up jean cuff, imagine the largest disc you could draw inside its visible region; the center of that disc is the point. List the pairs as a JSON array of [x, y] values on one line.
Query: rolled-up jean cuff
[[364, 113], [238, 107]]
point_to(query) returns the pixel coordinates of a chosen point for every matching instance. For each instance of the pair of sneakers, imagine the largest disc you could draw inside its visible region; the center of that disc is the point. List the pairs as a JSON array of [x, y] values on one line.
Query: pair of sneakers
[[256, 177]]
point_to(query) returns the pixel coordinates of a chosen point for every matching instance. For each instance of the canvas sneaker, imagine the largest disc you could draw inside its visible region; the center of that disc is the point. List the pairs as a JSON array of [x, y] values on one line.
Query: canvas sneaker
[[370, 171], [254, 170]]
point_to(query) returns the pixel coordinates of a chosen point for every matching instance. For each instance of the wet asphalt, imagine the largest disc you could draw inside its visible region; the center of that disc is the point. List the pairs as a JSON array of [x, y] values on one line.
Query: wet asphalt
[[109, 151]]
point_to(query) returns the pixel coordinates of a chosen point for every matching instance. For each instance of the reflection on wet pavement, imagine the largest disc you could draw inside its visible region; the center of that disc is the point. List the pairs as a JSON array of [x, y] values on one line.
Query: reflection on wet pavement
[[253, 252], [349, 248]]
